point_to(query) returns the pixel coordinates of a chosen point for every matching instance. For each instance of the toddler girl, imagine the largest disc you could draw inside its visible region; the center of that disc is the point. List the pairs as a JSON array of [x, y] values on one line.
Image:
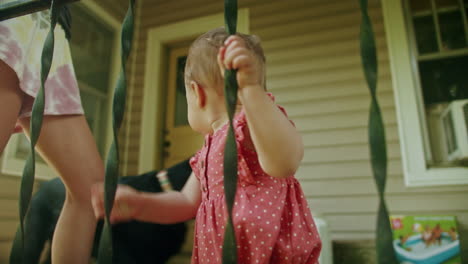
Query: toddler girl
[[272, 220]]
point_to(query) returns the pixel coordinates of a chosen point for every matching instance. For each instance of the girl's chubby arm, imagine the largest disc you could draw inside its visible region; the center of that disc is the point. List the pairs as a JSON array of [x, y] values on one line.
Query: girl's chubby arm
[[162, 208], [277, 142]]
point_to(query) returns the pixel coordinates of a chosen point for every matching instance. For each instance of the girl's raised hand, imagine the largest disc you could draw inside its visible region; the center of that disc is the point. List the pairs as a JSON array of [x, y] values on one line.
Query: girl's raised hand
[[125, 208], [236, 55]]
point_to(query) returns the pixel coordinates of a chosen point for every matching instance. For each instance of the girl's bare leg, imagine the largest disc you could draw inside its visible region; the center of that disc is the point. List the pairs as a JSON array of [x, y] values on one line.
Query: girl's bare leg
[[67, 144], [11, 98]]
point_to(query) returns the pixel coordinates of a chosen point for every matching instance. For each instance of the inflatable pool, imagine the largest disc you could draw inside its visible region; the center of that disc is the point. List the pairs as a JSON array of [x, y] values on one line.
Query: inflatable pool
[[415, 251]]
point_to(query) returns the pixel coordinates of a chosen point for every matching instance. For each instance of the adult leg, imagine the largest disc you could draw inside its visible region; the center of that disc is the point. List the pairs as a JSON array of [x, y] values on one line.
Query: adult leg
[[67, 144], [11, 98]]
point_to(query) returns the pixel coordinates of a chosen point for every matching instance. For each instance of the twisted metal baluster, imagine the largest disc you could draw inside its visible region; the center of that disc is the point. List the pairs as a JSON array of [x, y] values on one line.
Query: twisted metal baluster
[[230, 150], [27, 181], [378, 149], [112, 164]]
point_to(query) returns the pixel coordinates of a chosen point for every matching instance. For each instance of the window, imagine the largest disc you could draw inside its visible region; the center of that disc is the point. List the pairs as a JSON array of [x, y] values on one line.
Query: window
[[428, 45], [92, 39], [440, 43], [181, 108], [94, 35]]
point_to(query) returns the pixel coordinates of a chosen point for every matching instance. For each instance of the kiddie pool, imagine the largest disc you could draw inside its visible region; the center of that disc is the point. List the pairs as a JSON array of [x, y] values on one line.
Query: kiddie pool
[[419, 254]]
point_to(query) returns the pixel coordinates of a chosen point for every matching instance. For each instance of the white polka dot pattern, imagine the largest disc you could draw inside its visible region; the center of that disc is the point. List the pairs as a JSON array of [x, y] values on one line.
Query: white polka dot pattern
[[271, 217]]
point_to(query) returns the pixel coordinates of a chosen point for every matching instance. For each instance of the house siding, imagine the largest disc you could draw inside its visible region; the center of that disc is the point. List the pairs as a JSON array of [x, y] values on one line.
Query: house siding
[[9, 212], [116, 8], [314, 70]]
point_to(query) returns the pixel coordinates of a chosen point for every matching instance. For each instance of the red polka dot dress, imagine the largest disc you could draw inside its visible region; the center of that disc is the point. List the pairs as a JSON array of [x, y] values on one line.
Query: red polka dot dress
[[272, 220]]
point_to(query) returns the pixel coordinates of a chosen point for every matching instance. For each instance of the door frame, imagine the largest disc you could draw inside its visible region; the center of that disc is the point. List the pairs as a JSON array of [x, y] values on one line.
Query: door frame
[[152, 116]]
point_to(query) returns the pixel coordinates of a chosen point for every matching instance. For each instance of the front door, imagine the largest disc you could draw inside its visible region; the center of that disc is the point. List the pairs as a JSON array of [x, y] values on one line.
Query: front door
[[180, 141]]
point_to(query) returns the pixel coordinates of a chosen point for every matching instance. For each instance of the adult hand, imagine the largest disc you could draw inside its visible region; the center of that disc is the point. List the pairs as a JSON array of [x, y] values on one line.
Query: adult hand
[[125, 206]]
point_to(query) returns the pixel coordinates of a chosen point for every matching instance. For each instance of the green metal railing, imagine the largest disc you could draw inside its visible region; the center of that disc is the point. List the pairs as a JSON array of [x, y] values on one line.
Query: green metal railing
[[377, 142], [112, 164], [230, 150]]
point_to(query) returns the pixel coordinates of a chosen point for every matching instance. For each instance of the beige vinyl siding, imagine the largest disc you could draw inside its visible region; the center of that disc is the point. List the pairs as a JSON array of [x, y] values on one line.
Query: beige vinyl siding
[[314, 70], [116, 8], [127, 133], [9, 213]]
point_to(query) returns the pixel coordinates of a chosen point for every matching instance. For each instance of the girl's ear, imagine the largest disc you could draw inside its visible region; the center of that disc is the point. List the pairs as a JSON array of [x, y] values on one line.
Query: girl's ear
[[220, 59], [200, 94]]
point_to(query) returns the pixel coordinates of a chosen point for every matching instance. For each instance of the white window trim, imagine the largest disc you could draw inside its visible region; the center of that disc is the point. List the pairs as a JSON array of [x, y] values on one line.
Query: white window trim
[[153, 102], [13, 166], [411, 120]]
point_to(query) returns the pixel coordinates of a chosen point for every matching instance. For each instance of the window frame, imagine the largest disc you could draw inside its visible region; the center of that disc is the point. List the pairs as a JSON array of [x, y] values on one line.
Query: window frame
[[414, 141], [11, 165]]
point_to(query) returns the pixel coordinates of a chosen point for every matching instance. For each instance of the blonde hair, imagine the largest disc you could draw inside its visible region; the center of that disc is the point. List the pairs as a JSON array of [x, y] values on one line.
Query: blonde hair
[[202, 66]]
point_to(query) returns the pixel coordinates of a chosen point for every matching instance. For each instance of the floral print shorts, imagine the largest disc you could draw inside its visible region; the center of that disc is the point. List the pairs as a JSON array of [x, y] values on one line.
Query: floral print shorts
[[21, 43]]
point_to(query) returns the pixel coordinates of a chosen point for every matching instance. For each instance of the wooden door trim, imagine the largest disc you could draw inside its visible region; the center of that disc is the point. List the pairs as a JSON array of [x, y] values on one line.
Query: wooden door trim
[[151, 136]]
